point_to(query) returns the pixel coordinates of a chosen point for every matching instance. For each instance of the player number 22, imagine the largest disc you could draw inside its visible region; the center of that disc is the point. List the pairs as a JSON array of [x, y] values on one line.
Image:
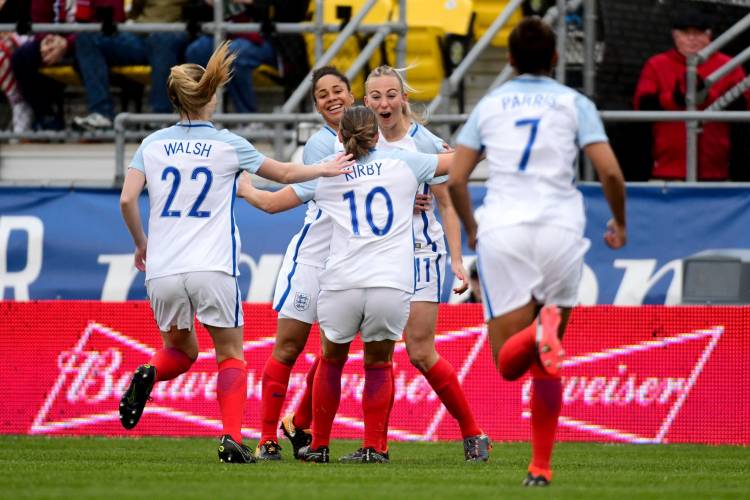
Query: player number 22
[[534, 122], [377, 231], [194, 211]]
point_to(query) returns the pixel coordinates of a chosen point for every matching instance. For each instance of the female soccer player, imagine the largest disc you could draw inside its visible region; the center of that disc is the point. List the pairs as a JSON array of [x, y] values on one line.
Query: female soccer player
[[386, 95], [367, 260], [297, 286], [368, 280], [531, 247], [191, 172]]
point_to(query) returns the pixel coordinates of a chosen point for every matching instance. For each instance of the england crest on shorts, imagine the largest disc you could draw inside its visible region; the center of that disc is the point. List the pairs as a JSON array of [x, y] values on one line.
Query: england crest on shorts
[[301, 301]]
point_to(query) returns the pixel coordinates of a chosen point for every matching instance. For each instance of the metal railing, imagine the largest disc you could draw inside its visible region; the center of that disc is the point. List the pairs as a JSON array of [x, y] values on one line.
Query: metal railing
[[219, 28], [692, 86], [286, 118], [451, 83]]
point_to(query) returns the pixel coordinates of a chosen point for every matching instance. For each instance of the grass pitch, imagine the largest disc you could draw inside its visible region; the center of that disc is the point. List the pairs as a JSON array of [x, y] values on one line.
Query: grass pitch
[[153, 468]]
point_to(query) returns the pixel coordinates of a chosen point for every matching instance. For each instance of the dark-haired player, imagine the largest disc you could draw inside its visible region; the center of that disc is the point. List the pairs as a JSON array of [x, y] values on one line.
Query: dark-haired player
[[530, 243]]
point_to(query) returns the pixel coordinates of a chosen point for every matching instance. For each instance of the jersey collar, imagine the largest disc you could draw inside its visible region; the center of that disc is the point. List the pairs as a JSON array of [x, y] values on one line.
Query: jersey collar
[[526, 77], [195, 123]]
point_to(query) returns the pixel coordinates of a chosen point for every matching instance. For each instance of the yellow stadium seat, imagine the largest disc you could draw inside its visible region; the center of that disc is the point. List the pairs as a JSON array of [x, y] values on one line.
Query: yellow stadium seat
[[263, 76], [424, 60], [138, 74], [486, 12], [63, 74], [453, 16], [431, 23], [380, 13]]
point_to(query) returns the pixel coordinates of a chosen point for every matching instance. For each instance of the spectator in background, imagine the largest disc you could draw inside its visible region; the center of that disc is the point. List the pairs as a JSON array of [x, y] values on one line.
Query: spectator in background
[[13, 11], [251, 50], [45, 95], [662, 86], [97, 52]]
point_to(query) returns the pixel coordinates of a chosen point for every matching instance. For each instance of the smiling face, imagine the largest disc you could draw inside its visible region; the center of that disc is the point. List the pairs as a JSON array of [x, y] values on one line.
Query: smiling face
[[332, 98], [385, 97]]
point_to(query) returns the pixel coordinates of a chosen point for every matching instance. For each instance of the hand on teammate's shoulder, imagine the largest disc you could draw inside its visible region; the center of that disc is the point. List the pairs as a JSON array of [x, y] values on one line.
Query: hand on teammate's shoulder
[[340, 164]]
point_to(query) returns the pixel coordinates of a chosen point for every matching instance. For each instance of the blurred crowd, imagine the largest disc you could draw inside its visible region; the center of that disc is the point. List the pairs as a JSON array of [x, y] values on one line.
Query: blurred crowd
[[36, 96], [36, 99]]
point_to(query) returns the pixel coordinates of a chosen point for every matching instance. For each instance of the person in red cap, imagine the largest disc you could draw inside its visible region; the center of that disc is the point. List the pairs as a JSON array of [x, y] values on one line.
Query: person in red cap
[[662, 87]]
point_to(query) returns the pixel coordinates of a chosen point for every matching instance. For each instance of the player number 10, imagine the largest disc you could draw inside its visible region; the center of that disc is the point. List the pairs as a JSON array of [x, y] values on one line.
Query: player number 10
[[377, 231]]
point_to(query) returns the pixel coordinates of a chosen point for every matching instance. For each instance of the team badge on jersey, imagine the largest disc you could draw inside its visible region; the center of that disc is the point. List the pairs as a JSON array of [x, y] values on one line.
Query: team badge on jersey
[[301, 301]]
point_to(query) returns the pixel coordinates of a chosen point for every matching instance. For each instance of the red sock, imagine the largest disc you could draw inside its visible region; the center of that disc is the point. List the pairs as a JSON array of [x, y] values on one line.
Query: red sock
[[390, 407], [442, 377], [231, 391], [170, 363], [376, 404], [518, 353], [274, 384], [303, 414], [546, 402], [326, 399]]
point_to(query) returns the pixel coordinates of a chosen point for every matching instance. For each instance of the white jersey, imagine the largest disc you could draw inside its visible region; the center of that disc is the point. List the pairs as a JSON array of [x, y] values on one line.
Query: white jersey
[[532, 128], [371, 208], [311, 245], [191, 175], [428, 233]]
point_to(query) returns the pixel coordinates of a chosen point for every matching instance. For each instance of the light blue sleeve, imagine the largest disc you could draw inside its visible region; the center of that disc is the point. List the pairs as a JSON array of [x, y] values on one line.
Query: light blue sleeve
[[318, 147], [423, 165], [305, 191], [438, 180], [427, 142], [137, 161], [590, 127], [470, 135], [250, 158]]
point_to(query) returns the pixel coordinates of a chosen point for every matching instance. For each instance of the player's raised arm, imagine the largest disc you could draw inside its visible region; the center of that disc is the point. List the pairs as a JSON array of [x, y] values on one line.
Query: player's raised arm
[[131, 191], [613, 184], [291, 173], [270, 202], [464, 161], [445, 162]]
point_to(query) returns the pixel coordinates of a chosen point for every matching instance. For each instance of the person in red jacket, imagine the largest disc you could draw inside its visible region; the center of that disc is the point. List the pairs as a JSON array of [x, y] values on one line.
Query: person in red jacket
[[662, 86]]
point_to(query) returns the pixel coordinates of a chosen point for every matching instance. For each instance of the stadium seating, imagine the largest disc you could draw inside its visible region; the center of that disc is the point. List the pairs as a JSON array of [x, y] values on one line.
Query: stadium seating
[[434, 26], [339, 11], [486, 11], [133, 79]]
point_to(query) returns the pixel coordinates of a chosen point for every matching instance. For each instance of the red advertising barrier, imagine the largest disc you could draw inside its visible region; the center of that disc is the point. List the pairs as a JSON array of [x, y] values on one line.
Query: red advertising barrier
[[648, 374]]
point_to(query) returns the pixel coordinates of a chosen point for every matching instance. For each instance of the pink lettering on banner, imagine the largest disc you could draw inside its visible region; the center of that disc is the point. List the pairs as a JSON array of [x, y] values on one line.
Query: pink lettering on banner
[[649, 374]]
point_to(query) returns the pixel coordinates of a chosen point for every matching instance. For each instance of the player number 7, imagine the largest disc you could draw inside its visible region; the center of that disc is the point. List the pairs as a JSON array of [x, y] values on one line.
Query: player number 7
[[534, 122]]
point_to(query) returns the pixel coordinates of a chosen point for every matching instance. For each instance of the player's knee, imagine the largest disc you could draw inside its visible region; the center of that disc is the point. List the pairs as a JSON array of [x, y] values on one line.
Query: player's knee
[[507, 370], [192, 353], [421, 359], [287, 352]]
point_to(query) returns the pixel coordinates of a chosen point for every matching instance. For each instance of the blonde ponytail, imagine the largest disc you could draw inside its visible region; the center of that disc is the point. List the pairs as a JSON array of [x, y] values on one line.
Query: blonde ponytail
[[190, 86]]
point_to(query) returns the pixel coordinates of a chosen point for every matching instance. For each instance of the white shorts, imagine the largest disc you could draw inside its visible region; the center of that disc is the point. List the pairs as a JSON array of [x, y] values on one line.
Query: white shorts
[[429, 268], [379, 313], [297, 289], [213, 296], [518, 263]]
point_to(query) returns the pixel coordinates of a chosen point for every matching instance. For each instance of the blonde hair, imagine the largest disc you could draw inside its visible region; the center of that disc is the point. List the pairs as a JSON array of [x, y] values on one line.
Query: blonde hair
[[386, 70], [359, 130], [191, 86]]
